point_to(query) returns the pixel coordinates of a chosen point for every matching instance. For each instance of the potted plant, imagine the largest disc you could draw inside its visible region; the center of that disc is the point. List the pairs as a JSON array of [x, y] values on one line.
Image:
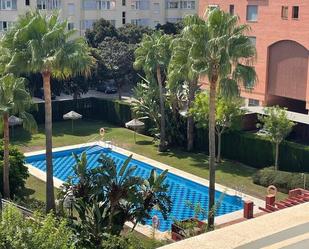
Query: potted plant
[[189, 227]]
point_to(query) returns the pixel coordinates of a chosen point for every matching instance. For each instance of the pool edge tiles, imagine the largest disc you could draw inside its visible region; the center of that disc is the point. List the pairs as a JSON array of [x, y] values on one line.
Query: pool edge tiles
[[173, 171]]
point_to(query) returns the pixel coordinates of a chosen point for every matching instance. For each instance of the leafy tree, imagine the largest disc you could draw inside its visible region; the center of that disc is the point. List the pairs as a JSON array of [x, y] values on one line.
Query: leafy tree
[[228, 112], [132, 34], [146, 104], [18, 172], [118, 58], [153, 55], [41, 44], [107, 197], [76, 86], [277, 125], [99, 31], [14, 99], [221, 53], [181, 73], [170, 28], [41, 232]]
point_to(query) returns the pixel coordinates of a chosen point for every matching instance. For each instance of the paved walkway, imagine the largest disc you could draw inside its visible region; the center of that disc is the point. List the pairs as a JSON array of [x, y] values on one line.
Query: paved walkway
[[127, 97], [285, 229]]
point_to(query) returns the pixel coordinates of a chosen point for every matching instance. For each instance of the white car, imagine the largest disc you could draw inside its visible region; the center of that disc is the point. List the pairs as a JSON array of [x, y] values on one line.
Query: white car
[[262, 132]]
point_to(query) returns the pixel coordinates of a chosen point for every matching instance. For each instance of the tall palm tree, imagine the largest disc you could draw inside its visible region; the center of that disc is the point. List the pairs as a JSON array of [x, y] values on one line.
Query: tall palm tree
[[153, 55], [41, 44], [14, 99], [222, 53], [180, 70]]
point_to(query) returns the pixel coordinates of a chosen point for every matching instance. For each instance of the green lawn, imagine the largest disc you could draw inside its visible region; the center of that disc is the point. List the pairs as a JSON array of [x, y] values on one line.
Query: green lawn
[[231, 174]]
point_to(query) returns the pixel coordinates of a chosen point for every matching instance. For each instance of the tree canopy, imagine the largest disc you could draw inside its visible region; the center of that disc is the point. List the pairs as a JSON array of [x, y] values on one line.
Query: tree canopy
[[277, 125]]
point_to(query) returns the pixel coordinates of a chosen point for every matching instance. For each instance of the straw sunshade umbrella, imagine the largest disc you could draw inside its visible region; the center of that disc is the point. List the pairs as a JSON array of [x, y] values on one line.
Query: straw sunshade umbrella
[[72, 116], [134, 124], [14, 121]]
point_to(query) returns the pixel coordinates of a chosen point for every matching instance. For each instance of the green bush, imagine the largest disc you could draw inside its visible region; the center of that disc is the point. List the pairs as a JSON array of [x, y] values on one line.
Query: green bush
[[284, 181], [18, 171], [122, 242], [47, 232]]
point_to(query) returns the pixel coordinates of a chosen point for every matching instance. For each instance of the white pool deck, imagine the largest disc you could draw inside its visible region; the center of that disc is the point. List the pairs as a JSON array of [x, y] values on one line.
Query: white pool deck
[[147, 230]]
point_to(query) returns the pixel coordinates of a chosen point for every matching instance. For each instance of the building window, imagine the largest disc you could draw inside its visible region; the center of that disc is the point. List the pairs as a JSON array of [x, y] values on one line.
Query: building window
[[91, 4], [140, 22], [253, 102], [252, 13], [284, 12], [295, 12], [140, 5], [27, 2], [213, 6], [172, 5], [71, 9], [4, 25], [252, 40], [174, 19], [123, 2], [8, 4], [106, 5], [70, 25], [232, 9], [87, 24], [123, 17], [190, 5], [48, 4], [156, 7]]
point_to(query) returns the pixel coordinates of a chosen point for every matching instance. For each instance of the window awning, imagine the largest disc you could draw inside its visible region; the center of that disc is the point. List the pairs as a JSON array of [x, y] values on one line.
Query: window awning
[[293, 116]]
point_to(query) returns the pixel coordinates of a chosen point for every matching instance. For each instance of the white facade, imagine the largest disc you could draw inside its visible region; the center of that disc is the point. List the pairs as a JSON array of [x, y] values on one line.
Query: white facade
[[82, 13]]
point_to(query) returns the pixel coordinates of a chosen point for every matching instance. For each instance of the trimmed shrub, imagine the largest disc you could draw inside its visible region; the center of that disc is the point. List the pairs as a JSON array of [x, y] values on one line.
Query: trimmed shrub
[[284, 181], [112, 111], [18, 171], [243, 147]]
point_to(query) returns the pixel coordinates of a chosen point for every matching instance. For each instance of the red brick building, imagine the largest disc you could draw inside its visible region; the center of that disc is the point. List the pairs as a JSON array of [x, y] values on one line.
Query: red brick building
[[280, 30]]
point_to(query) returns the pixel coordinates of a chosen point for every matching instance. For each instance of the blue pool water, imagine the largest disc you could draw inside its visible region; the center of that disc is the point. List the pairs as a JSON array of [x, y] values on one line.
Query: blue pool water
[[181, 190]]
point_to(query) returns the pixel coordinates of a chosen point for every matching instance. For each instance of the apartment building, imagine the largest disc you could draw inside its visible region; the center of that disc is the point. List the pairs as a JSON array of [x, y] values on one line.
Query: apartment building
[[81, 14], [280, 32]]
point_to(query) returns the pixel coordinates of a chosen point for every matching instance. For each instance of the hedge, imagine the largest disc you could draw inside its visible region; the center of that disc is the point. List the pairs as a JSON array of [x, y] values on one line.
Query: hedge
[[284, 181], [112, 111], [243, 147]]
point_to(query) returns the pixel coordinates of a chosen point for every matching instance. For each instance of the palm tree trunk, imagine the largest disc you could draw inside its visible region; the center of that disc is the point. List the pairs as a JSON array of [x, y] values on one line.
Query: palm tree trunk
[[276, 156], [50, 198], [119, 89], [6, 162], [162, 145], [219, 148], [190, 119], [212, 151]]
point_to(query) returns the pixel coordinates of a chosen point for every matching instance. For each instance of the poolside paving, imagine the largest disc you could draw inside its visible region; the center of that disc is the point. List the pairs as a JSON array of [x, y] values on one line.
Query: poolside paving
[[288, 229]]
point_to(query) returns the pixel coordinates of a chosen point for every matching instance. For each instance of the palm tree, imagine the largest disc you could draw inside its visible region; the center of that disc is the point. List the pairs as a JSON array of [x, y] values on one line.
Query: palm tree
[[41, 44], [222, 53], [153, 55], [180, 70], [14, 99]]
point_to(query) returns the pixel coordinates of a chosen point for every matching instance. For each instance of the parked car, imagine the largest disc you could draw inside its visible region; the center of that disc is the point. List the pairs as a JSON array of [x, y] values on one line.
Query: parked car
[[262, 132], [108, 87], [40, 94]]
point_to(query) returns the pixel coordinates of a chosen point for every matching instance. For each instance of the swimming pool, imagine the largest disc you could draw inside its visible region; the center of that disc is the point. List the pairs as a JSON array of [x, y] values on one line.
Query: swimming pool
[[181, 189]]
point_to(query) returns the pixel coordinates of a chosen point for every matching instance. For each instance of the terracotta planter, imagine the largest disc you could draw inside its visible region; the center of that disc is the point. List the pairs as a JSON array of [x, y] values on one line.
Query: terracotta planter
[[180, 232]]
